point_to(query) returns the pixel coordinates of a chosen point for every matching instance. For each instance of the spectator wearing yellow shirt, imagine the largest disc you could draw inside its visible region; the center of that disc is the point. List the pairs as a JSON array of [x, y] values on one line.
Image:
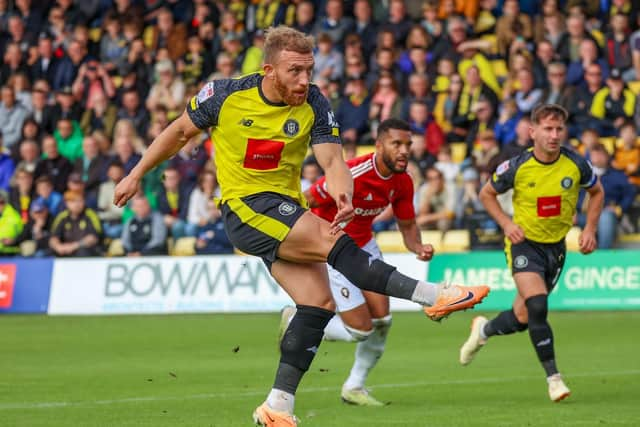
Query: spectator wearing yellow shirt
[[10, 226], [627, 157], [614, 104]]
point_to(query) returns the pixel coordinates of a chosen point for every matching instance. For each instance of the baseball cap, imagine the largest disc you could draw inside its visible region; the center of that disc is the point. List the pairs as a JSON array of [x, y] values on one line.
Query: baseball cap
[[615, 74], [75, 177], [38, 205], [66, 90]]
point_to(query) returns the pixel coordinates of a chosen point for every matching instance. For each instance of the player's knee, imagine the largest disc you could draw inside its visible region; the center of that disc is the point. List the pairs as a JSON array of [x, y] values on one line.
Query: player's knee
[[359, 266], [327, 304], [359, 334], [537, 308], [302, 338], [382, 324], [520, 313]]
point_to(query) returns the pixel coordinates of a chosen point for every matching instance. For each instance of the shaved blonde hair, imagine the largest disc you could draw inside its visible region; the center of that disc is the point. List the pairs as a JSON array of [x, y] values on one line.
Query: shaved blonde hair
[[285, 38]]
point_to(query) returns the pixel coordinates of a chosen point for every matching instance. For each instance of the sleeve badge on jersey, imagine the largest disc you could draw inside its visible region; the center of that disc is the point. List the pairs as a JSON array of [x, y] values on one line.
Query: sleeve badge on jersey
[[502, 168], [205, 93], [332, 120]]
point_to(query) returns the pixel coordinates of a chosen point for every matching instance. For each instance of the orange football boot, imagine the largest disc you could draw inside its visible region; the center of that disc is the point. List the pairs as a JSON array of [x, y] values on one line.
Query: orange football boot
[[267, 417], [452, 298]]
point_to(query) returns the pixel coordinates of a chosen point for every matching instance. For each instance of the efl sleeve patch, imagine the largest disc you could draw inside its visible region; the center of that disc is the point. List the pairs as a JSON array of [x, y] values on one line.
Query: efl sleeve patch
[[205, 93], [204, 108], [503, 177], [502, 168]]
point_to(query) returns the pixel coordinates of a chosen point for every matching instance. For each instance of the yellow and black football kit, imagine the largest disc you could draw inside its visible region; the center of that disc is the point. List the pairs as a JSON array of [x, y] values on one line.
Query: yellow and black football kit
[[259, 150], [544, 202]]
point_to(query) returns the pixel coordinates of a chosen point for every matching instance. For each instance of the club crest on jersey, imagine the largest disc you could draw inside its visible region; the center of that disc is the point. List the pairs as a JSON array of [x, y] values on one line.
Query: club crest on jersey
[[566, 183], [521, 261], [286, 208], [291, 127], [344, 292], [205, 93]]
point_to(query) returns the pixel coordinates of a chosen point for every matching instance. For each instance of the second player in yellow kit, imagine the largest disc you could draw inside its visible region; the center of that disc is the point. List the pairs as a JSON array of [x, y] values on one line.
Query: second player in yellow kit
[[546, 181]]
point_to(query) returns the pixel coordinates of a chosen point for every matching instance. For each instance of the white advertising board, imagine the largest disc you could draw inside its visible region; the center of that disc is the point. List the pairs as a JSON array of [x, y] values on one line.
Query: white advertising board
[[178, 285]]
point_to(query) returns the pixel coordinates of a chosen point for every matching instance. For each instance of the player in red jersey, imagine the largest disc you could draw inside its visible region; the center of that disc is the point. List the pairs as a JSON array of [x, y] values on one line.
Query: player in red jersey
[[379, 179]]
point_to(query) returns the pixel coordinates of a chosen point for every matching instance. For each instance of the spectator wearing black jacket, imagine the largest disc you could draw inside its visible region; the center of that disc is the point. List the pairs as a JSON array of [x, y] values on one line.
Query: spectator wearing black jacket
[[145, 232], [53, 165], [211, 237], [133, 111], [92, 167], [38, 228], [45, 65]]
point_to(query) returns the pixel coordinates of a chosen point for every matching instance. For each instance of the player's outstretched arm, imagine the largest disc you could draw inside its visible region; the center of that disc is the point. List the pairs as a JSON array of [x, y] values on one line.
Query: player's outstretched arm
[[413, 240], [339, 180], [166, 145], [587, 240], [489, 199]]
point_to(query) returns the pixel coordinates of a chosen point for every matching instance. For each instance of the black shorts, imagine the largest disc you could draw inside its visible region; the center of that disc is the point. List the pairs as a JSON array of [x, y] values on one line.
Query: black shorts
[[546, 259], [256, 224]]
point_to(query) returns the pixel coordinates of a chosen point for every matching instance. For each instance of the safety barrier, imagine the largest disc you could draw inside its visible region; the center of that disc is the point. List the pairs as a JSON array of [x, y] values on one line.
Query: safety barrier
[[605, 280]]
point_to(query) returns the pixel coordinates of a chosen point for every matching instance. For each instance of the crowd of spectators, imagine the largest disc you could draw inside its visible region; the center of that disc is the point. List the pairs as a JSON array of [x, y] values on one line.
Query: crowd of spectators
[[86, 85]]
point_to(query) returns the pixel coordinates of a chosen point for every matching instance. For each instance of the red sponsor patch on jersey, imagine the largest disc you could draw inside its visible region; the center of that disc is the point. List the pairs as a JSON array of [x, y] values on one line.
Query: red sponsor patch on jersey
[[549, 206], [263, 154], [7, 282]]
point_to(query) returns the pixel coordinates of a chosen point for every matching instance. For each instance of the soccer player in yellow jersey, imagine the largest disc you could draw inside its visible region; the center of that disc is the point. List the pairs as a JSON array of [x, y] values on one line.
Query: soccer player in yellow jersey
[[263, 124], [546, 181]]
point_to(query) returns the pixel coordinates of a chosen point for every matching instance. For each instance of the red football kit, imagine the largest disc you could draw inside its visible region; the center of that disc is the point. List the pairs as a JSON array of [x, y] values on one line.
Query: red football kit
[[372, 193]]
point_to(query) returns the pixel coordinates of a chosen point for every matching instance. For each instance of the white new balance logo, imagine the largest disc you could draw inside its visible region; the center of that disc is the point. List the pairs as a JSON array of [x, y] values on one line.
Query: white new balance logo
[[313, 349], [544, 342], [368, 197]]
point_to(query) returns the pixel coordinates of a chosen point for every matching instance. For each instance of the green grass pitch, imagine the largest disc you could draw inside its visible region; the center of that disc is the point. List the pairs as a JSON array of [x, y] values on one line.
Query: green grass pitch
[[212, 370]]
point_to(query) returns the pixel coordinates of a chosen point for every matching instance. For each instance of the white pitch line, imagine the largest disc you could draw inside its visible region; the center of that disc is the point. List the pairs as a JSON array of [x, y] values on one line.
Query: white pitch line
[[225, 395]]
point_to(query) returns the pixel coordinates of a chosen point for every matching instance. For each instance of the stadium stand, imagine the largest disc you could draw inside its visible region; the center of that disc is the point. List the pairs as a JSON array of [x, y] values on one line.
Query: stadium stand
[[94, 86]]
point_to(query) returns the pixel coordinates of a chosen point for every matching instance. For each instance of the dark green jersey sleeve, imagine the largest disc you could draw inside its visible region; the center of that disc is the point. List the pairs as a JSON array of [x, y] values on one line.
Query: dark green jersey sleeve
[[504, 176], [587, 177], [325, 127], [204, 107]]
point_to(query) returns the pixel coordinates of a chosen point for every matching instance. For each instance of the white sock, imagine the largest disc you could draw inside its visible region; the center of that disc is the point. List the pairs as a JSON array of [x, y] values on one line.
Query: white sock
[[281, 401], [368, 352], [425, 293], [335, 330], [483, 334]]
